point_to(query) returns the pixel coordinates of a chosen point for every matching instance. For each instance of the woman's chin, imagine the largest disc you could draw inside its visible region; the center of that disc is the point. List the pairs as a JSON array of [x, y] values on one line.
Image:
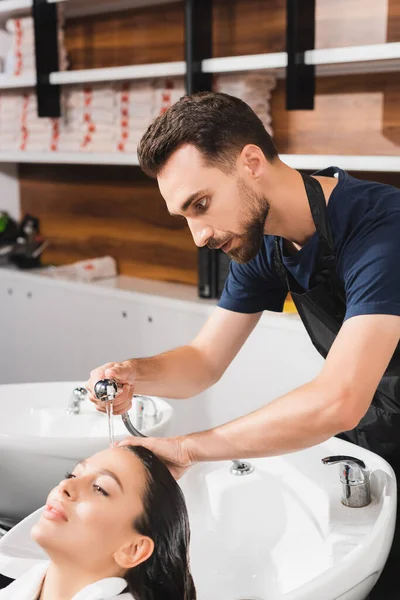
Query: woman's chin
[[45, 533]]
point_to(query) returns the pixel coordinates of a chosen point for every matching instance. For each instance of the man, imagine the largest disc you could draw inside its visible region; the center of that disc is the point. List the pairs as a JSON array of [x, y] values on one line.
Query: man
[[218, 167], [331, 239]]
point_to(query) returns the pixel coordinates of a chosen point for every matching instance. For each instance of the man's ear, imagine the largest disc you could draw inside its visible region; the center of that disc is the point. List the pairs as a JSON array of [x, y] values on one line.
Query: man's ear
[[134, 552]]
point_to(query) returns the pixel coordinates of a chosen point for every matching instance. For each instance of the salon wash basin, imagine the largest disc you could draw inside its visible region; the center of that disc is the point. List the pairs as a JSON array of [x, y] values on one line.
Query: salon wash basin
[[40, 441], [283, 532], [280, 532]]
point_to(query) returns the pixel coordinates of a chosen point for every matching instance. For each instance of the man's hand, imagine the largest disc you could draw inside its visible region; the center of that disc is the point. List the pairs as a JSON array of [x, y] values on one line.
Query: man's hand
[[124, 373], [172, 451]]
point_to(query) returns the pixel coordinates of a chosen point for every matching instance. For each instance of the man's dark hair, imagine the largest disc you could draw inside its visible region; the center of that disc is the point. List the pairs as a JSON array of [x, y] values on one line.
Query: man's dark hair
[[217, 124]]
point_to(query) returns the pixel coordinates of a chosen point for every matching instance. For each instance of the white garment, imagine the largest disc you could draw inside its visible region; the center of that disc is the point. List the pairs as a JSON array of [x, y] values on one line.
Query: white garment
[[27, 587], [25, 561]]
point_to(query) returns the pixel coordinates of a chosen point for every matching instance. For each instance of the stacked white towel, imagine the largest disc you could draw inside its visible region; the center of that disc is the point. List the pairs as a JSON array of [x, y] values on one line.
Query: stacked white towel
[[89, 123], [140, 103], [253, 88], [21, 56], [20, 127], [113, 117]]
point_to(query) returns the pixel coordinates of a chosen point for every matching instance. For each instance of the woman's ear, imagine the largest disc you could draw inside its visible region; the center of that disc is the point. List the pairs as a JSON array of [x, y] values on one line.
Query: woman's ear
[[135, 552]]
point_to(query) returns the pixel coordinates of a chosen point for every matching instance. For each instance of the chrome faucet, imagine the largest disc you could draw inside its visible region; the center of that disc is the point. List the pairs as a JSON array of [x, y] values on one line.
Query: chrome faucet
[[74, 405], [106, 390], [355, 479]]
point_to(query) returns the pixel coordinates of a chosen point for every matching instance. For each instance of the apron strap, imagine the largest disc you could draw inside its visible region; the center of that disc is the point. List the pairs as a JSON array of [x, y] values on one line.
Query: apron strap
[[325, 267], [316, 200]]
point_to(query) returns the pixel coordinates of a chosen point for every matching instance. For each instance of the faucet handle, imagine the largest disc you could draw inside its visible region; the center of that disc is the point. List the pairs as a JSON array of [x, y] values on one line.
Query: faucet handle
[[80, 393], [107, 389], [355, 479], [355, 470]]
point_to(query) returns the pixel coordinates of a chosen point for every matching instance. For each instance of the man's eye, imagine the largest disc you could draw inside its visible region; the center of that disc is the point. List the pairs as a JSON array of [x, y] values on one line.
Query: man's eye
[[201, 205]]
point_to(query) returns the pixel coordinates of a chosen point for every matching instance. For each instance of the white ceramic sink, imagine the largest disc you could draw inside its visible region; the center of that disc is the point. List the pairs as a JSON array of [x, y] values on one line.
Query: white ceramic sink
[[40, 441], [282, 532], [279, 533]]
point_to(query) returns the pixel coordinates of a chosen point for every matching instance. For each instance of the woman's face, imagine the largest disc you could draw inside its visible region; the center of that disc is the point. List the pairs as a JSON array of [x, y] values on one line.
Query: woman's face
[[89, 517]]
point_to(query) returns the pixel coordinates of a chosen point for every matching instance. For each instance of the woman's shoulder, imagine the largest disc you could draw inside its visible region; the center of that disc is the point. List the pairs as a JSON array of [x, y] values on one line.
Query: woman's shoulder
[[26, 587]]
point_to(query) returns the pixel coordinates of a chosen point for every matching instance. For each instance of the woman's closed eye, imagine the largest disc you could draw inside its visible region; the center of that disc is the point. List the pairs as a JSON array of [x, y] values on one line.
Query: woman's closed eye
[[96, 487]]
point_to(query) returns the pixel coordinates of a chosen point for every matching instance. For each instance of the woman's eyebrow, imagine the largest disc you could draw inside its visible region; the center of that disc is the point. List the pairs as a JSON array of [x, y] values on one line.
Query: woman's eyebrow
[[84, 464]]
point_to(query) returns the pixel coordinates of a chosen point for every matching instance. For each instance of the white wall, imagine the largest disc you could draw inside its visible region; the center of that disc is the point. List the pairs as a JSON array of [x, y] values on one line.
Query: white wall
[[59, 331]]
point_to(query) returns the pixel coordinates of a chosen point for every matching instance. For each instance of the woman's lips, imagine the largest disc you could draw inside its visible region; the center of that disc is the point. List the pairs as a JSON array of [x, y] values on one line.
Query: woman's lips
[[54, 512]]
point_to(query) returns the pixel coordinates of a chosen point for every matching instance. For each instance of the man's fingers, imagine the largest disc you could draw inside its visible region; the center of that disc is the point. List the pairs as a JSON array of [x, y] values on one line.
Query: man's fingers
[[139, 441], [119, 410], [131, 441], [120, 372]]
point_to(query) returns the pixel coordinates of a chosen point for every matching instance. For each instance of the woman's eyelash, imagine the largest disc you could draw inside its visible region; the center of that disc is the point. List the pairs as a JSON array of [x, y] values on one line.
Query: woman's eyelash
[[95, 486], [100, 489]]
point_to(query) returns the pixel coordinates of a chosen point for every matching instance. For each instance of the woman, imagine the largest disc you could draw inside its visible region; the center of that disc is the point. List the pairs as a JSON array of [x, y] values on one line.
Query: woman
[[115, 528]]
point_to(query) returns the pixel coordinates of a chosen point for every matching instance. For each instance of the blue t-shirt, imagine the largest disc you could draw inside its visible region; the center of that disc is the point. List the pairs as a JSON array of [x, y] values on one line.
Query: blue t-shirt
[[365, 222]]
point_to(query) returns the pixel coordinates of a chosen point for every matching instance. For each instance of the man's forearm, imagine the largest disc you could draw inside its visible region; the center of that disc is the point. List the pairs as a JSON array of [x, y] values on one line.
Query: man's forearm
[[302, 418], [179, 373]]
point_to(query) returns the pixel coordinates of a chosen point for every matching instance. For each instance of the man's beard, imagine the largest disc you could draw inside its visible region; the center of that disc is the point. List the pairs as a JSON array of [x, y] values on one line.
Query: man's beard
[[254, 215]]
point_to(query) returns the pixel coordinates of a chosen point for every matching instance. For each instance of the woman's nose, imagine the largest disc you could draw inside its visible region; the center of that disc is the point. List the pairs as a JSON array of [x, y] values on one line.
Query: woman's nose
[[67, 488]]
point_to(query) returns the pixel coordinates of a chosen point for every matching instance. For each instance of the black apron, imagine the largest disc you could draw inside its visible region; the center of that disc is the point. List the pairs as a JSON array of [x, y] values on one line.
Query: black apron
[[322, 310]]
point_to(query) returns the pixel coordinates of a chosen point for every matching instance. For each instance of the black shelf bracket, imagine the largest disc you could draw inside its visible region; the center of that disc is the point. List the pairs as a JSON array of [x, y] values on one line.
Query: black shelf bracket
[[45, 18], [198, 46], [300, 36]]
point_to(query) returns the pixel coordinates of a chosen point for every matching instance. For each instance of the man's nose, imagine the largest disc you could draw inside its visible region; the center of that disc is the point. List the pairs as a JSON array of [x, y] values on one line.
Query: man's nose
[[201, 233]]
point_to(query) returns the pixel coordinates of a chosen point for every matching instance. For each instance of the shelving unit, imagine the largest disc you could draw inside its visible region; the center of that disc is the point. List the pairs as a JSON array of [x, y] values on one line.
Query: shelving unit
[[14, 8], [23, 81], [330, 61], [83, 158], [75, 8], [311, 162], [169, 69]]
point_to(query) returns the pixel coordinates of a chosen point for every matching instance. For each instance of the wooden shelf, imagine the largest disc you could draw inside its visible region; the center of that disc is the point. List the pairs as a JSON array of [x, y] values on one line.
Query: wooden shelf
[[14, 8], [332, 61], [78, 158], [75, 8], [372, 58], [347, 162], [168, 69], [24, 81], [311, 162]]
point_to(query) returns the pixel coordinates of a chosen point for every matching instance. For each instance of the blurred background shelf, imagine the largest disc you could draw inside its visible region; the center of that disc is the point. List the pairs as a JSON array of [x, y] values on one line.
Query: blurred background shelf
[[375, 58], [168, 69], [75, 8], [297, 161], [72, 158]]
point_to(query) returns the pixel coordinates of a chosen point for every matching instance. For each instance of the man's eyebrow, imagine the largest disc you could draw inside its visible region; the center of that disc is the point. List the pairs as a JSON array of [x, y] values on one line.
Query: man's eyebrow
[[84, 463], [189, 201]]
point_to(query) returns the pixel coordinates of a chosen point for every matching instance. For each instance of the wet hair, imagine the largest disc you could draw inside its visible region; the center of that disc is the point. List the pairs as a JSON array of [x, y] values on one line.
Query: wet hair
[[165, 575], [217, 124]]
